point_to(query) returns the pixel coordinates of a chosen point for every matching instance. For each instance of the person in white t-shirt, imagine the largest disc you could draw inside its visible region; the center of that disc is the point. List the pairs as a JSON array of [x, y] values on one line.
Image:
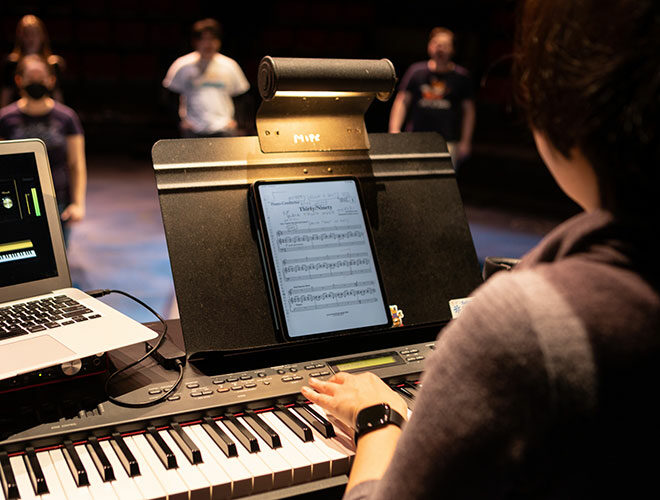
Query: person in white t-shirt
[[206, 81]]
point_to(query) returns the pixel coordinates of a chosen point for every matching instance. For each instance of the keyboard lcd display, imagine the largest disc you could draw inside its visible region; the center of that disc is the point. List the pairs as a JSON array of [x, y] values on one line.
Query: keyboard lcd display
[[361, 364], [319, 249]]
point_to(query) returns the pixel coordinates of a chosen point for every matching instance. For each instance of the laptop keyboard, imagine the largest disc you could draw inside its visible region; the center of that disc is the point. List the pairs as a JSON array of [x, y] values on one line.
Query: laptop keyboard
[[43, 314]]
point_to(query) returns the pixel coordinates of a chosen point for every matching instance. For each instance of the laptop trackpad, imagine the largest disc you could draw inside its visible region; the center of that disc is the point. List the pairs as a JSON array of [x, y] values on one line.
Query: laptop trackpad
[[39, 351]]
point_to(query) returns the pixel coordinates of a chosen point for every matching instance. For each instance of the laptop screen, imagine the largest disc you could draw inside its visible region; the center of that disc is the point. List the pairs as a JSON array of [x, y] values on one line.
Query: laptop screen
[[26, 251]]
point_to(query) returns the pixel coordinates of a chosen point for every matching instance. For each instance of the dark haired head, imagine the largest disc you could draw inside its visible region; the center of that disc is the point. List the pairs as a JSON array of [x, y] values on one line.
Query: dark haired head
[[30, 25], [207, 26], [588, 75], [439, 30]]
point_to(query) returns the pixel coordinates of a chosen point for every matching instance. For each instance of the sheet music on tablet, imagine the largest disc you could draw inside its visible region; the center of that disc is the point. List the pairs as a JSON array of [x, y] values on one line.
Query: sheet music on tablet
[[320, 249]]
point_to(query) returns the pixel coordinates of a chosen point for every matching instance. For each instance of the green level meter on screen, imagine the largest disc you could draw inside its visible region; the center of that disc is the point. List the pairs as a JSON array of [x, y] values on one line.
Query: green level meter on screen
[[35, 200]]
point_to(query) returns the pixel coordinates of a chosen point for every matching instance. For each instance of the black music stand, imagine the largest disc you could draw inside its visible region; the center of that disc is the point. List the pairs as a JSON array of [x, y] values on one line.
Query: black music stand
[[421, 234]]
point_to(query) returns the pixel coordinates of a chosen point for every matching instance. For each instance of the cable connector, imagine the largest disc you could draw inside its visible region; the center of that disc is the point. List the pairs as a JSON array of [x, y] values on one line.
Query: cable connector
[[101, 292], [168, 355]]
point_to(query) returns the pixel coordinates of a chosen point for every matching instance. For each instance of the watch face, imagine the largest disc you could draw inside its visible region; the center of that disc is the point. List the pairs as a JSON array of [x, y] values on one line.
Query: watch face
[[373, 416]]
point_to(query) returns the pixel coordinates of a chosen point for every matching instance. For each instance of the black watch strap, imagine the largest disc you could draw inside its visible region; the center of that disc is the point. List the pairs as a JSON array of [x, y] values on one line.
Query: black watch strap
[[375, 417]]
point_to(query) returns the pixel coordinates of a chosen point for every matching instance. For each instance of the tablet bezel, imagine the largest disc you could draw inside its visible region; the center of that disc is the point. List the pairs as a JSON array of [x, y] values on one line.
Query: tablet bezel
[[270, 273]]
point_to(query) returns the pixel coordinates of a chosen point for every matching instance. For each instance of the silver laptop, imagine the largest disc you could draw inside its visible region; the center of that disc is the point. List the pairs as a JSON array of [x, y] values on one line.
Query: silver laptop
[[43, 321]]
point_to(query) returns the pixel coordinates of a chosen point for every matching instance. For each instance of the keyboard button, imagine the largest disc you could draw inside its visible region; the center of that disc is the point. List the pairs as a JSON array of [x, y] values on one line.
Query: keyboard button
[[192, 385]]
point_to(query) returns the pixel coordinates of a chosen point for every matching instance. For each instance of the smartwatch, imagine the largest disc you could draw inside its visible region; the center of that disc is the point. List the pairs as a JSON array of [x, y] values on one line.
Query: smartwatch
[[374, 417]]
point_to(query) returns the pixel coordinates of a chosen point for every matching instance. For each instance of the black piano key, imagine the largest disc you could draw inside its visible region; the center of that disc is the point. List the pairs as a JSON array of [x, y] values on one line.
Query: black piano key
[[404, 391], [75, 464], [264, 430], [125, 455], [33, 467], [412, 387], [165, 454], [241, 433], [189, 449], [316, 420], [100, 459], [7, 479], [297, 426], [220, 437]]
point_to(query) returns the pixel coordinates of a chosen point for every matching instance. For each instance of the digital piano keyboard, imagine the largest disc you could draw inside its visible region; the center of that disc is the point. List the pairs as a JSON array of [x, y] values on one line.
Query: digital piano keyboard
[[245, 433]]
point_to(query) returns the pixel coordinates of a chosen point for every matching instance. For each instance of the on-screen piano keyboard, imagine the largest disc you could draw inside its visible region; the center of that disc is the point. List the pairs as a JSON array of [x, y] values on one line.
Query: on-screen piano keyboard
[[24, 254]]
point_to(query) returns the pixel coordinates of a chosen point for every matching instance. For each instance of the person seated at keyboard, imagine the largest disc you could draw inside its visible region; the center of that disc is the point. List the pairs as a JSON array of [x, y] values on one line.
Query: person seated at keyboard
[[544, 387]]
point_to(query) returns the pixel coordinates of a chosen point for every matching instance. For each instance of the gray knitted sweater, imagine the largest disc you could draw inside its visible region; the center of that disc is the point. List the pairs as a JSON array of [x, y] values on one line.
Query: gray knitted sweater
[[545, 386]]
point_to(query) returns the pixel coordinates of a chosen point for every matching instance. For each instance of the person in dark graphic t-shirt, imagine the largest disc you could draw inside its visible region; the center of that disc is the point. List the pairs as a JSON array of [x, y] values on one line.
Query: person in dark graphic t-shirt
[[437, 96]]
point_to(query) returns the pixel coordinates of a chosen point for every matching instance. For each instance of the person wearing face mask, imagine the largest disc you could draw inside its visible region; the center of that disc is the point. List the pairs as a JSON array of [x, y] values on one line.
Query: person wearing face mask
[[37, 115], [31, 38], [206, 81]]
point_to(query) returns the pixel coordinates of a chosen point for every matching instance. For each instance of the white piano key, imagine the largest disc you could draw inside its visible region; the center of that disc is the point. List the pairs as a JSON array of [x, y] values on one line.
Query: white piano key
[[73, 491], [147, 482], [320, 462], [198, 486], [124, 486], [55, 490], [302, 467], [25, 489], [98, 488], [262, 477], [342, 439], [217, 477], [340, 462], [282, 471], [241, 478], [175, 488]]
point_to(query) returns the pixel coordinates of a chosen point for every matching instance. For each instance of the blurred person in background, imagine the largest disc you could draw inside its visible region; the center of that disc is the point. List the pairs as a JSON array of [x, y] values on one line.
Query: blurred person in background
[[437, 96], [206, 81], [31, 38], [37, 115]]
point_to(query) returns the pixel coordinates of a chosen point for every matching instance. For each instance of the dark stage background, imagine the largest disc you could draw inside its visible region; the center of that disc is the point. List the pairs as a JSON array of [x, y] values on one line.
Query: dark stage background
[[118, 51]]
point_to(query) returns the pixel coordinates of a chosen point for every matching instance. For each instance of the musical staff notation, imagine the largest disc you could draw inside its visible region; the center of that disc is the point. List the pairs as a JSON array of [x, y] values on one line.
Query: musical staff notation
[[320, 238], [324, 300]]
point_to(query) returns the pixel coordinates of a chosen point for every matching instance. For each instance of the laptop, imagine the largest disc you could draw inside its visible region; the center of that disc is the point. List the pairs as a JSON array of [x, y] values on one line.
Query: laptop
[[43, 320]]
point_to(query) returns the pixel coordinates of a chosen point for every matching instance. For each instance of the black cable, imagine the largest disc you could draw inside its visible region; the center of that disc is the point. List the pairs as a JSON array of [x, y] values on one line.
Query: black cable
[[161, 339]]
